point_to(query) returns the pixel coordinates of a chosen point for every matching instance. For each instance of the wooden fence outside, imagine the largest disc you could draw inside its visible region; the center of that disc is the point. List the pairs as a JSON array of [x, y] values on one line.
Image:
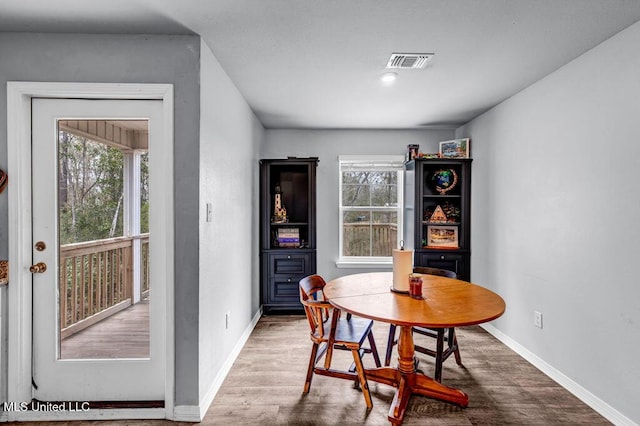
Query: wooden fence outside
[[369, 239]]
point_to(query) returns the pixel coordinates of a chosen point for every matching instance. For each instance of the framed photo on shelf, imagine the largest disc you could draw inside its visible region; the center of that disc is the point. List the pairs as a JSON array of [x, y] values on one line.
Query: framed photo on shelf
[[457, 148], [442, 236]]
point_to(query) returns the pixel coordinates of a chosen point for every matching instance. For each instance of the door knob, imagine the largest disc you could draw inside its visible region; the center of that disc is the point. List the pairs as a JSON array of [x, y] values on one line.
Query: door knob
[[38, 268]]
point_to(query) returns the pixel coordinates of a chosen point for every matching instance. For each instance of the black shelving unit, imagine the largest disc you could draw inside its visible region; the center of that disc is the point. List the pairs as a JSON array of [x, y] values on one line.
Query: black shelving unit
[[437, 213], [287, 230]]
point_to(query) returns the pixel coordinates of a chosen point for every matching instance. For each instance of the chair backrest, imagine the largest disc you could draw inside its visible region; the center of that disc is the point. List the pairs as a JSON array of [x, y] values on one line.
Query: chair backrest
[[434, 271], [316, 306], [310, 286]]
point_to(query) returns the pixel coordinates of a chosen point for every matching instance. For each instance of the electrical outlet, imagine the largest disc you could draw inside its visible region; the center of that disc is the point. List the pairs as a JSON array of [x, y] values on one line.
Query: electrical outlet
[[227, 320], [537, 319]]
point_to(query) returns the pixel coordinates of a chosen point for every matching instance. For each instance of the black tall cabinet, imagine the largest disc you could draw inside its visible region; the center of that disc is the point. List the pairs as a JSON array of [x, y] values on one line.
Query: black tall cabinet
[[437, 212], [287, 230]]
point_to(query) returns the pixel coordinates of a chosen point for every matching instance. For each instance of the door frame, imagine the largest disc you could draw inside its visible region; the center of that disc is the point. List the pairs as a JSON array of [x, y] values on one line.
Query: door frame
[[19, 350]]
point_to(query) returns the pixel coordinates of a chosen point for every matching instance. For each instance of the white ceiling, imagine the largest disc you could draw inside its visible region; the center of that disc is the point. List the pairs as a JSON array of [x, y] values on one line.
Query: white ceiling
[[317, 63]]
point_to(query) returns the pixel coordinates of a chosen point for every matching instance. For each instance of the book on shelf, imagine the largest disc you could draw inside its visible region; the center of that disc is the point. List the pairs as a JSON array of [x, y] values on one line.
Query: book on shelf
[[288, 237]]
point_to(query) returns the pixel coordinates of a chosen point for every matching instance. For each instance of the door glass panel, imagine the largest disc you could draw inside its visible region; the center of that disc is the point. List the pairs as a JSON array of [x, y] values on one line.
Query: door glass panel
[[103, 207]]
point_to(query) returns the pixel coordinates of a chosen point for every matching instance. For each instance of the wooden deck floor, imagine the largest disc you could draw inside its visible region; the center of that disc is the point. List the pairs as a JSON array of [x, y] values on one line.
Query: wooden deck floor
[[123, 335]]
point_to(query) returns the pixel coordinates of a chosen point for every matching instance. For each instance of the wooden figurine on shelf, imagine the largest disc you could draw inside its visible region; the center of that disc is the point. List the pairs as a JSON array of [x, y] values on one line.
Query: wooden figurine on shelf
[[279, 212], [438, 216], [451, 211]]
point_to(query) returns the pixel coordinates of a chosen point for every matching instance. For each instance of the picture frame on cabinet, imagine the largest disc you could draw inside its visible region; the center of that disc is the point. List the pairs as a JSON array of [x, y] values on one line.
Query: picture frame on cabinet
[[456, 148], [442, 236], [412, 152]]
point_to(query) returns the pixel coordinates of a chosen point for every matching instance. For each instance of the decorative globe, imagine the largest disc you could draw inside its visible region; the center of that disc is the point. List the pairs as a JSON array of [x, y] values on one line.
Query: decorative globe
[[445, 180]]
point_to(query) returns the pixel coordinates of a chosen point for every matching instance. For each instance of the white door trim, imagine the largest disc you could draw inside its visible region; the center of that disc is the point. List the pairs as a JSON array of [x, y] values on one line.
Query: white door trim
[[19, 96]]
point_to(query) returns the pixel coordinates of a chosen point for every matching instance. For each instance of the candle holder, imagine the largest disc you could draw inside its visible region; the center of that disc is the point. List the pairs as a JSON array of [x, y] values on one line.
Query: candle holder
[[415, 286]]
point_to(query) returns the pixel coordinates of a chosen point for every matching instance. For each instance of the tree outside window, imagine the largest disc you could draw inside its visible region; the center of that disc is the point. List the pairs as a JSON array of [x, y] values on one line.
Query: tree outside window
[[91, 192], [370, 207]]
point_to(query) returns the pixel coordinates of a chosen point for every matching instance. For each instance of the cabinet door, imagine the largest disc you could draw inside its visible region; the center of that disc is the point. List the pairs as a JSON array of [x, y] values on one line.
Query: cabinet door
[[284, 289], [288, 264], [285, 272], [456, 262]]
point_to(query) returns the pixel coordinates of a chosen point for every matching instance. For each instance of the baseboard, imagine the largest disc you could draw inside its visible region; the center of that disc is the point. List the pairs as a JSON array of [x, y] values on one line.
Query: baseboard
[[186, 413], [604, 409], [190, 413]]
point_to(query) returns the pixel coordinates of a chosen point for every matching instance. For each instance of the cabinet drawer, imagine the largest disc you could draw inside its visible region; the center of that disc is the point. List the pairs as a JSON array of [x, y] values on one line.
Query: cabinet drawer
[[284, 289], [289, 264], [456, 262]]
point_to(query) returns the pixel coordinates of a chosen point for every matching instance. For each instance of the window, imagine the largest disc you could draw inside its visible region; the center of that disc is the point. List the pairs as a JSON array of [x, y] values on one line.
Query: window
[[370, 208]]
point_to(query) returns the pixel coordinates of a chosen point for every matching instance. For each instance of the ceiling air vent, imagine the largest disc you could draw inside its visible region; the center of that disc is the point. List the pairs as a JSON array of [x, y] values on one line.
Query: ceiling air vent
[[408, 60]]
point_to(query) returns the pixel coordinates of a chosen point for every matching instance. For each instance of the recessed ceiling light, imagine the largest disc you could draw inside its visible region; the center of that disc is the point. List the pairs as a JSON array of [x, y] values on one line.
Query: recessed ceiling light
[[389, 77]]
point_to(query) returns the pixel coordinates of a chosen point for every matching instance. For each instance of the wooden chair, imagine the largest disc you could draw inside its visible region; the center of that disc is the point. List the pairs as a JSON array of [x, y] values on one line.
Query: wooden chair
[[329, 332], [441, 335]]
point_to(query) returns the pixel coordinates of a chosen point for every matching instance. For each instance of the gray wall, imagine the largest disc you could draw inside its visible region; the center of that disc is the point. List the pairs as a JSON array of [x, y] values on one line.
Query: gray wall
[[328, 145], [230, 136], [128, 59], [555, 209]]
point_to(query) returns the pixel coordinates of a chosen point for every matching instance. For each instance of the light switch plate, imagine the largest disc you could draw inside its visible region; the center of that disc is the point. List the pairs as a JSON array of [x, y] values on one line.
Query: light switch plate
[[209, 212]]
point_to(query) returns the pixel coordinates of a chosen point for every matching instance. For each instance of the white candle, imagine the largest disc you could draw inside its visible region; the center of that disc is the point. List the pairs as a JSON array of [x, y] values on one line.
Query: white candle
[[402, 268]]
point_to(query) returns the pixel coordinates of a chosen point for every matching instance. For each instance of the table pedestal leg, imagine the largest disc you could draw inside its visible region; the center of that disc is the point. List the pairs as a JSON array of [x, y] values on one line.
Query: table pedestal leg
[[408, 381]]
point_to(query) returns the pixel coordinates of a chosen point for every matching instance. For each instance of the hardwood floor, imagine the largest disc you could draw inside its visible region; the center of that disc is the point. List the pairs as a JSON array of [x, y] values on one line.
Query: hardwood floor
[[264, 387]]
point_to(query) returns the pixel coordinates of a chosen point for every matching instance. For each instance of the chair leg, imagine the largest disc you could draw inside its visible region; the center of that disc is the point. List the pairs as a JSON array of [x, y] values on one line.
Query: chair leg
[[334, 322], [312, 364], [439, 355], [363, 379], [390, 342], [374, 349], [453, 342]]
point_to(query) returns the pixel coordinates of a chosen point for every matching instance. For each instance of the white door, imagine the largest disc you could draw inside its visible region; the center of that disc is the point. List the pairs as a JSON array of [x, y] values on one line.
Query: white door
[[98, 335]]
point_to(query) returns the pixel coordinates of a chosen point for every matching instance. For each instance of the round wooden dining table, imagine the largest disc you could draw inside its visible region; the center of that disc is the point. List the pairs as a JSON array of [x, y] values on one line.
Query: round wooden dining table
[[445, 303]]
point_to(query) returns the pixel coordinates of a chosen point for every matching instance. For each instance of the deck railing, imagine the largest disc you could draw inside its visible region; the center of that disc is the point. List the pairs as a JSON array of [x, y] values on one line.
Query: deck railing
[[144, 265], [369, 239], [96, 280]]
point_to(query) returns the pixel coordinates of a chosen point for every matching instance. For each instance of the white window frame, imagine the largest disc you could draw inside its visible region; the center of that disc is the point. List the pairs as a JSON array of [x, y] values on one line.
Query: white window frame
[[376, 161]]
